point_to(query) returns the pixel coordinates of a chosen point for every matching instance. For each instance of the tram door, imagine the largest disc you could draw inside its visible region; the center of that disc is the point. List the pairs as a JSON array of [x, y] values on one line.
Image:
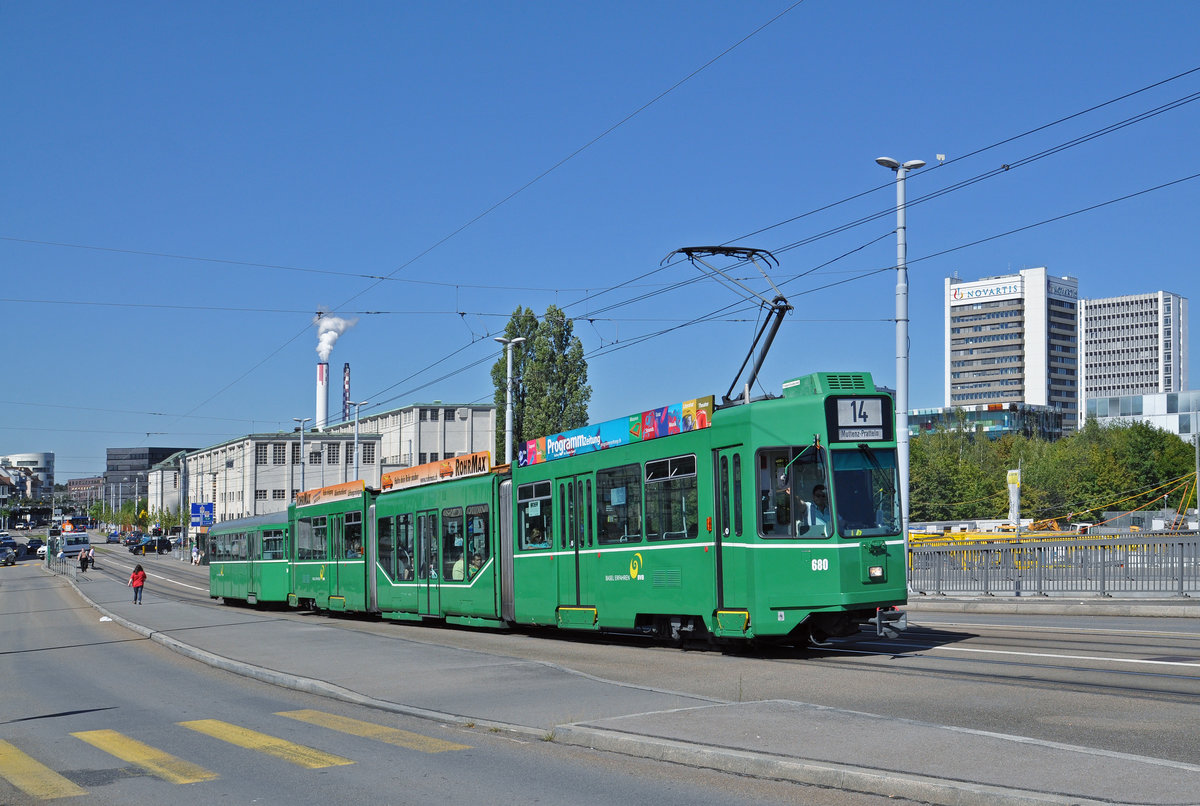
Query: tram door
[[429, 601], [728, 523], [575, 533], [337, 552]]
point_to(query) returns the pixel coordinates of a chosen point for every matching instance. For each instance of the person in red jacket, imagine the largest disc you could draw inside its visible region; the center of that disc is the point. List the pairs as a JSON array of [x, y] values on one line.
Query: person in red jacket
[[137, 581]]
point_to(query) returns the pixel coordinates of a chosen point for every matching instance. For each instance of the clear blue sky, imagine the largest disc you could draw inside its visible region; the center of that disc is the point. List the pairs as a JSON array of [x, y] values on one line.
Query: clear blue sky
[[184, 185]]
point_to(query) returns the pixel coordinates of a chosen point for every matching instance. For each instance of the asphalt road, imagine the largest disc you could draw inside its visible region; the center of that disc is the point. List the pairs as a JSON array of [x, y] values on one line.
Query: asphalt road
[[1128, 685], [97, 713]]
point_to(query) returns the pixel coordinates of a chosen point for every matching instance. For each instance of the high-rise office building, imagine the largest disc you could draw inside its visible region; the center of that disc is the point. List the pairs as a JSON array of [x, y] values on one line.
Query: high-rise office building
[[1133, 345], [1013, 339]]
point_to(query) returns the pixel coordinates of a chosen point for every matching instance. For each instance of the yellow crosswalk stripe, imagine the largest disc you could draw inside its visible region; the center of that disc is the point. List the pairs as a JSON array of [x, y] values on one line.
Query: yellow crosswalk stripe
[[156, 762], [253, 740], [370, 730], [32, 777]]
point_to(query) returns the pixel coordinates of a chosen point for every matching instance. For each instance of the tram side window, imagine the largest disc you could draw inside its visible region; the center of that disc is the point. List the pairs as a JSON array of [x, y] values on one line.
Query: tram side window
[[237, 548], [404, 547], [671, 499], [452, 544], [275, 545], [534, 516], [619, 490], [790, 486], [354, 535], [387, 545], [311, 537], [478, 547], [219, 549]]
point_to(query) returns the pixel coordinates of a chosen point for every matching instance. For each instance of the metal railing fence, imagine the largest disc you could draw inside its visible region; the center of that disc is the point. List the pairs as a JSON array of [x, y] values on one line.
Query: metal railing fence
[[1132, 564]]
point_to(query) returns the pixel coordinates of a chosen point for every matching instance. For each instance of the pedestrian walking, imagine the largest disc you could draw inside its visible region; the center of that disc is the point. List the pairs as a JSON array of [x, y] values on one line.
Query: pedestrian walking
[[137, 581], [91, 555], [83, 561], [195, 554]]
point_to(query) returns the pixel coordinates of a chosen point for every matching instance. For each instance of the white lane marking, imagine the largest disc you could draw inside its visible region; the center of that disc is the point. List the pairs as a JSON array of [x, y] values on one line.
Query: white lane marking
[[934, 624], [1048, 655], [1070, 657], [159, 576]]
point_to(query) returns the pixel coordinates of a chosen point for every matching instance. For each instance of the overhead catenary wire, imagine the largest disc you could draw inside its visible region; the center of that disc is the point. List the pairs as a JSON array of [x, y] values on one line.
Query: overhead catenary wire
[[994, 172]]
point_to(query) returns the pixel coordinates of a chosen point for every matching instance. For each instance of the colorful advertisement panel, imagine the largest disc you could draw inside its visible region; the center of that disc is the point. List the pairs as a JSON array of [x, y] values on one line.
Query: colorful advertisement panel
[[679, 418], [473, 464], [334, 492]]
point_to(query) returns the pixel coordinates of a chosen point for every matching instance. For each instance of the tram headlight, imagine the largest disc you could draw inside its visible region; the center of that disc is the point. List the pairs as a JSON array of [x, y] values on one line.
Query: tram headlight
[[875, 572]]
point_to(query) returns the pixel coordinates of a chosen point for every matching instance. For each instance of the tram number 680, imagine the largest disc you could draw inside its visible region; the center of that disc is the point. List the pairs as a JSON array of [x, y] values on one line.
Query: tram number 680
[[820, 564]]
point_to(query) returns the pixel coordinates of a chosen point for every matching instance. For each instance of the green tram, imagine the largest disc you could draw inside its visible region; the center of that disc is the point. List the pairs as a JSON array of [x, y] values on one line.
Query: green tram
[[776, 519], [248, 559]]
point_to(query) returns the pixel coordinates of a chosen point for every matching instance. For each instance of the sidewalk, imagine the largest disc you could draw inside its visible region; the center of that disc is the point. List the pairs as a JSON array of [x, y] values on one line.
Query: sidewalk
[[783, 740], [1086, 605]]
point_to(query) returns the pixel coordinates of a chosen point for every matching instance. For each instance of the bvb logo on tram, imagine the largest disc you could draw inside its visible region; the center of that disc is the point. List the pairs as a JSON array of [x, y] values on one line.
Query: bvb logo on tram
[[635, 565]]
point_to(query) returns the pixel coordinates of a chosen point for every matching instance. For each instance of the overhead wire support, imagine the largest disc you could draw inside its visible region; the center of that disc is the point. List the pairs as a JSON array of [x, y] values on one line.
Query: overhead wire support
[[777, 308]]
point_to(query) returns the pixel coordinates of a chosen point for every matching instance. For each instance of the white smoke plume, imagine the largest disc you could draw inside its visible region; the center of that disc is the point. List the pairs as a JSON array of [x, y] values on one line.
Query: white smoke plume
[[328, 330]]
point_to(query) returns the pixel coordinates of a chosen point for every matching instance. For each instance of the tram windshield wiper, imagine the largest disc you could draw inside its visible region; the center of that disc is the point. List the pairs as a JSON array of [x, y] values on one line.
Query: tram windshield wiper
[[884, 475]]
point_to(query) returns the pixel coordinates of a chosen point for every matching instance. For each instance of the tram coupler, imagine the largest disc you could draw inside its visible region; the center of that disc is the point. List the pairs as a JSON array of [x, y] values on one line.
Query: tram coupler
[[889, 622]]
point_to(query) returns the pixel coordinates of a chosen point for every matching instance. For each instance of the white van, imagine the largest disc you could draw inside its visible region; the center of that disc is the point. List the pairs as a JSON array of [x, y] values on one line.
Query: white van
[[72, 543]]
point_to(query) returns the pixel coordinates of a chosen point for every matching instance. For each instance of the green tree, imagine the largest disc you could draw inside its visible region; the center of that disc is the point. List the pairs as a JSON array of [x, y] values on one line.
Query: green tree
[[961, 475], [550, 388]]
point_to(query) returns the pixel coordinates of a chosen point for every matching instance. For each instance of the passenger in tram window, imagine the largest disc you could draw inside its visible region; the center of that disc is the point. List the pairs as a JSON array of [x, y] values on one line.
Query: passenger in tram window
[[476, 564], [456, 570], [536, 540], [354, 550]]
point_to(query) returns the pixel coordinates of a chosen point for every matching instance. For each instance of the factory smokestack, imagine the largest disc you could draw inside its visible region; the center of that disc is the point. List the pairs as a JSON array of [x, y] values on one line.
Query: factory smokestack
[[346, 392], [322, 395], [328, 330]]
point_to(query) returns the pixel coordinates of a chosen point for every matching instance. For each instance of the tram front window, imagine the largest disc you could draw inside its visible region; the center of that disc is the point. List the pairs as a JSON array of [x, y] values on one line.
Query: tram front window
[[865, 483]]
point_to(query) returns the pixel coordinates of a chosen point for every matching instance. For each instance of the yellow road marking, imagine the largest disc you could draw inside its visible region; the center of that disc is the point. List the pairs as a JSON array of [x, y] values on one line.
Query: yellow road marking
[[34, 778], [156, 762], [253, 740], [370, 730]]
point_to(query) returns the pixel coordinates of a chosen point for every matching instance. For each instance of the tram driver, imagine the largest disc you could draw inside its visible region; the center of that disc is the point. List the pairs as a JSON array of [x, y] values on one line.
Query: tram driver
[[816, 511]]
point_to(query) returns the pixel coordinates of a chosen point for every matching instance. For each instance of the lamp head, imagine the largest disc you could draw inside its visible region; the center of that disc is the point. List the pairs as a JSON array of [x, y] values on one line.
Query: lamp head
[[888, 162], [911, 164]]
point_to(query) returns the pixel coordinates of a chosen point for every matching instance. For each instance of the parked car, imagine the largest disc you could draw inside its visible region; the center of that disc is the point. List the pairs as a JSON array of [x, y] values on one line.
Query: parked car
[[133, 538], [113, 537], [21, 526], [158, 545]]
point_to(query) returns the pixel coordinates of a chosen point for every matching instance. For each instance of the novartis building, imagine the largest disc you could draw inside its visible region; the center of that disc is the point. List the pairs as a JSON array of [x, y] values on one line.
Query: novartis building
[[1013, 339]]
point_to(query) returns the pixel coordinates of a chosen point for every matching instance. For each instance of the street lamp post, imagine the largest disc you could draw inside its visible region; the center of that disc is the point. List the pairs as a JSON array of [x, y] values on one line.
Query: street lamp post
[[357, 406], [303, 458], [901, 170], [508, 404]]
